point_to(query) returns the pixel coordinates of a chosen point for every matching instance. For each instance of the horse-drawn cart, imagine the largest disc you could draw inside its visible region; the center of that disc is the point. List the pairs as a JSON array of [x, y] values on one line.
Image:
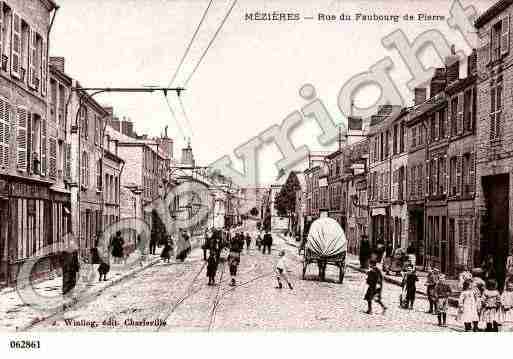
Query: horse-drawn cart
[[326, 244]]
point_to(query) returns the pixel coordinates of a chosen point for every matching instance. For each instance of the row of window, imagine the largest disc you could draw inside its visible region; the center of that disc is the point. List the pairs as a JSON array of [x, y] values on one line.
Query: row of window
[[23, 50], [380, 144], [109, 184], [36, 152], [461, 179]]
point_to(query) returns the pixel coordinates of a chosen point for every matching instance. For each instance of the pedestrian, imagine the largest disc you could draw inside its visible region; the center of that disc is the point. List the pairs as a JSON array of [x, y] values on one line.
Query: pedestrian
[[70, 268], [166, 252], [103, 270], [491, 306], [212, 263], [234, 257], [375, 287], [206, 244], [117, 244], [268, 242], [442, 293], [410, 282], [364, 252], [507, 303], [281, 271], [248, 241], [153, 244], [431, 280], [259, 241], [468, 307], [380, 247], [411, 253]]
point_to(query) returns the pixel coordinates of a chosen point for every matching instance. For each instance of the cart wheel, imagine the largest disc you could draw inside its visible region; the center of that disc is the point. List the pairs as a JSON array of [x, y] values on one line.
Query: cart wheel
[[341, 274]]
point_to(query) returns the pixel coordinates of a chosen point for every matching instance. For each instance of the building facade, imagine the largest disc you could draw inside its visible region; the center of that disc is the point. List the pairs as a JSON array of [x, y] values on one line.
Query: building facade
[[27, 139], [494, 147]]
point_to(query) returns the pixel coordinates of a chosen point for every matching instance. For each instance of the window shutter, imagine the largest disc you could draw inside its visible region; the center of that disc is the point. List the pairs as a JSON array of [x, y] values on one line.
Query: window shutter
[[67, 160], [32, 59], [471, 111], [505, 35], [44, 69], [15, 45], [21, 138], [472, 173], [1, 28], [459, 123], [483, 53], [437, 128], [447, 164], [44, 147], [459, 161], [53, 158], [5, 128]]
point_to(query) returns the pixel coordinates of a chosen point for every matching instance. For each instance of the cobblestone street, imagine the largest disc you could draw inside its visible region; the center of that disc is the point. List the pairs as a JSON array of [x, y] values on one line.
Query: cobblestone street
[[178, 294]]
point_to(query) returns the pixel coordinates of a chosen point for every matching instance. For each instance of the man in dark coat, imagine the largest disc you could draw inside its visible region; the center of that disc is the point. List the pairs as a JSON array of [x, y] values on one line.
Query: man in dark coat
[[236, 247], [375, 287], [70, 268], [267, 242], [117, 247], [364, 252], [153, 245]]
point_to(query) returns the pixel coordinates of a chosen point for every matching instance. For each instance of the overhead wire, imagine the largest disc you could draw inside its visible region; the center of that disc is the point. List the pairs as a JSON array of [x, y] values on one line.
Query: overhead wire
[[185, 115], [174, 117], [210, 43], [190, 43]]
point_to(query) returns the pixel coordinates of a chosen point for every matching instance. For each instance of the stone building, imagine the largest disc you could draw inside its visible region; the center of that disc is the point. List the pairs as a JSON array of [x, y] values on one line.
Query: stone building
[[96, 168], [462, 243], [379, 175], [28, 168], [494, 145], [337, 187]]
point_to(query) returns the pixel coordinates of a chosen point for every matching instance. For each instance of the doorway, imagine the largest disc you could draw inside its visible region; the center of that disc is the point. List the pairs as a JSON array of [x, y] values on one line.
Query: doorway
[[494, 240]]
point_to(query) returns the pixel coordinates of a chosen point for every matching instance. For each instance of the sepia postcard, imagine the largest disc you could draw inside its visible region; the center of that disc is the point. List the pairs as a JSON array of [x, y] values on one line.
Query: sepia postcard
[[255, 166]]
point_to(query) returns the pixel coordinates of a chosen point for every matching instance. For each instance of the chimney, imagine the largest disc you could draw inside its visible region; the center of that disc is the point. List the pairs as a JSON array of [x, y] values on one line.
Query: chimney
[[472, 63], [420, 95], [452, 65], [57, 62], [437, 82]]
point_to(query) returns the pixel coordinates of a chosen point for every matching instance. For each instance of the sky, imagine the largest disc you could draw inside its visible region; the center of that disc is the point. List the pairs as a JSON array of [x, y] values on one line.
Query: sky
[[249, 79]]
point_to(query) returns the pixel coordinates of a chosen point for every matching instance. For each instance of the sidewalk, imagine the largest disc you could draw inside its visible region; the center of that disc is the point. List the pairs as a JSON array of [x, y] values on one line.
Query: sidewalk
[[353, 262], [15, 315]]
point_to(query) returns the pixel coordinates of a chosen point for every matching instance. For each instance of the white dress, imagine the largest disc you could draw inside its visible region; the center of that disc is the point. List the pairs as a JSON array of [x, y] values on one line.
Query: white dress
[[468, 307], [506, 312]]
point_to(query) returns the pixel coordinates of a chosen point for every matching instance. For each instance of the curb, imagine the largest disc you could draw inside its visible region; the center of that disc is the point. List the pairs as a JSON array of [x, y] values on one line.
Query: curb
[[453, 302], [100, 291]]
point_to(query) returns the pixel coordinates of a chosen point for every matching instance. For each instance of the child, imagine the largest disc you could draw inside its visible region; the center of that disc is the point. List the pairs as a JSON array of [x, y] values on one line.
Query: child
[[468, 307], [259, 241], [375, 283], [431, 281], [507, 303], [491, 305], [166, 252], [103, 269], [212, 267], [248, 241], [442, 291], [410, 281], [281, 271]]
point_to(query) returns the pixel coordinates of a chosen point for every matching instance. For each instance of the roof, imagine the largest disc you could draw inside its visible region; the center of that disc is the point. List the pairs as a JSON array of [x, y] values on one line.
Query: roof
[[428, 105], [492, 12], [301, 178], [397, 113], [125, 140]]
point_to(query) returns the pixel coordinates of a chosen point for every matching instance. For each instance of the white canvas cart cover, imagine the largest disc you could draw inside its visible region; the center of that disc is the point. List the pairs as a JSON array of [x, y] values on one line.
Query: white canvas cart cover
[[326, 238]]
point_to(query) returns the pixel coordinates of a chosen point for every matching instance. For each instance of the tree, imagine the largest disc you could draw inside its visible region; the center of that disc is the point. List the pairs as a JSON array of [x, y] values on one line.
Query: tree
[[285, 201]]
